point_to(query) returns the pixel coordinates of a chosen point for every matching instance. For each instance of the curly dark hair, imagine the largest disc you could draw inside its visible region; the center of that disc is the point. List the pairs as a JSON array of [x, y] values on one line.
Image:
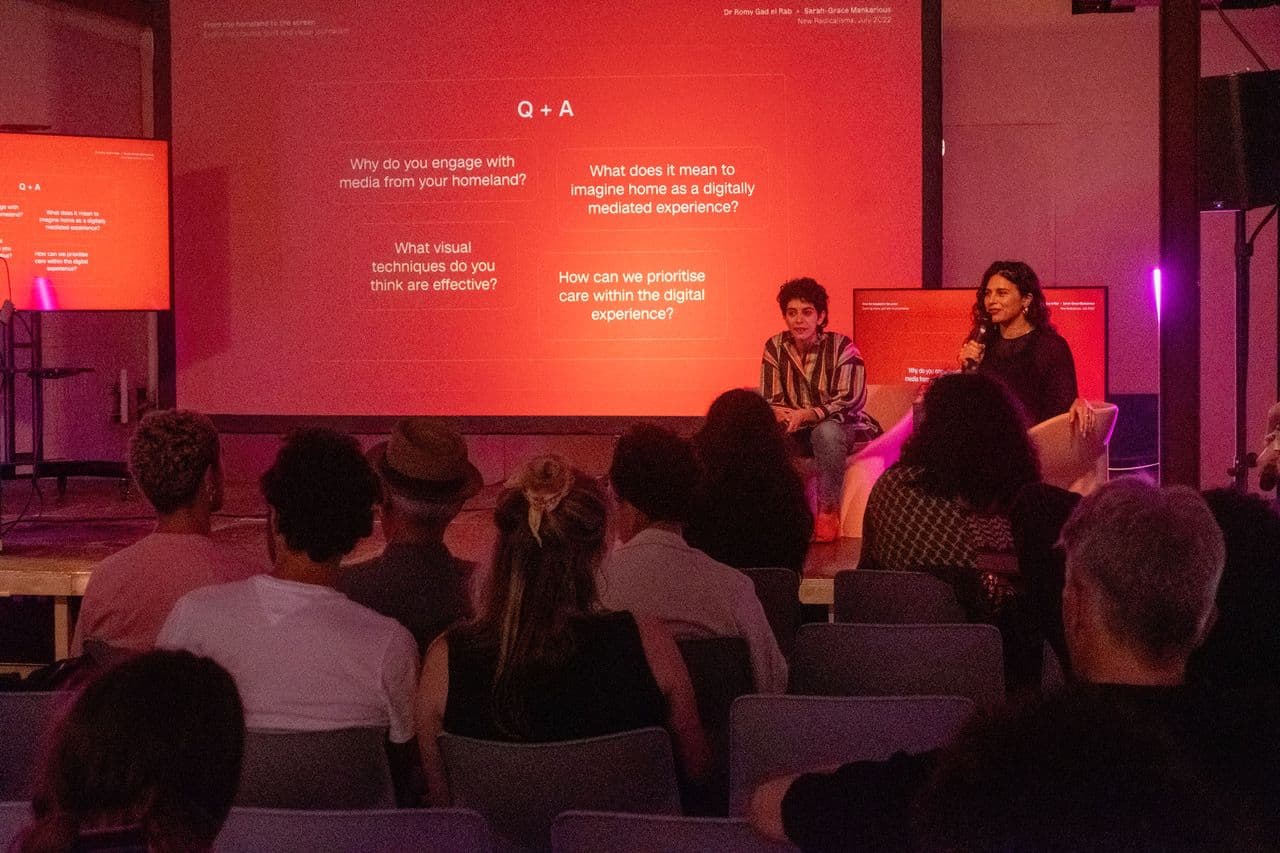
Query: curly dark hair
[[972, 442], [1028, 283], [807, 290], [655, 471], [155, 741], [169, 454], [322, 491]]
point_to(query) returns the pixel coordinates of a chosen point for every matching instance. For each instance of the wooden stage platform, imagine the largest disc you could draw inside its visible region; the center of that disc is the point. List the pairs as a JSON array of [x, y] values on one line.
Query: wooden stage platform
[[51, 553]]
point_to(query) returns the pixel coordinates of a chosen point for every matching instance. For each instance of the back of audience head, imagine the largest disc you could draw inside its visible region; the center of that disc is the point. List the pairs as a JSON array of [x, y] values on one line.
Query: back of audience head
[[174, 458], [1142, 568], [1243, 646], [740, 430], [153, 744], [552, 522], [426, 477], [321, 493], [654, 470], [972, 442]]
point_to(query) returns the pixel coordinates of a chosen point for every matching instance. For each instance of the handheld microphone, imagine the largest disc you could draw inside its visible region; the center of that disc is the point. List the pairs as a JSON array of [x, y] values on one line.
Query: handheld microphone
[[976, 334]]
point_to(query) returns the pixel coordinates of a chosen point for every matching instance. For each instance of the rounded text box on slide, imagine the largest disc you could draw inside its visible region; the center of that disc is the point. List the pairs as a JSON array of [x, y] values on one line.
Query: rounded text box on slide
[[423, 171], [621, 189], [639, 296], [432, 266]]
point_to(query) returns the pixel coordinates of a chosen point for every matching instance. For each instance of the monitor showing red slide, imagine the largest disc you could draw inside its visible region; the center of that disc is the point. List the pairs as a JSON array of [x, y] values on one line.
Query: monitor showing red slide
[[910, 336], [568, 208], [84, 222]]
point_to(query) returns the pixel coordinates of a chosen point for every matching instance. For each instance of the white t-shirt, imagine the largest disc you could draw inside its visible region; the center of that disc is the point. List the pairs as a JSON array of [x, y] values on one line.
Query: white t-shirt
[[655, 573], [304, 657]]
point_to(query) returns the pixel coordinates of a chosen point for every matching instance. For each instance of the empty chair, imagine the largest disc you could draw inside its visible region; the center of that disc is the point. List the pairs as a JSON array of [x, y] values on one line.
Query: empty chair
[[898, 598], [591, 832], [1072, 461], [779, 594], [720, 669], [359, 831], [26, 722], [775, 735], [338, 769], [521, 787], [899, 660], [14, 816]]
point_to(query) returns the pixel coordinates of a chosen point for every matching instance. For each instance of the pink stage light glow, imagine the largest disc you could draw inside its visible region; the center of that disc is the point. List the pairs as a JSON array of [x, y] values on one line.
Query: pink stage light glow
[[42, 294], [1155, 288]]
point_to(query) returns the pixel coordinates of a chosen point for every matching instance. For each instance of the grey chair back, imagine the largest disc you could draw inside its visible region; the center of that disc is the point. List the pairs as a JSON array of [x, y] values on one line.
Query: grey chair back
[[357, 831], [14, 817], [775, 735], [779, 594], [898, 598], [899, 660], [338, 769], [27, 719], [591, 832], [521, 787], [720, 669]]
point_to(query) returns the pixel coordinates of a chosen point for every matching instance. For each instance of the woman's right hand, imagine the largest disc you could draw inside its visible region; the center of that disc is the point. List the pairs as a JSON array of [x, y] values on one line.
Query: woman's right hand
[[971, 353]]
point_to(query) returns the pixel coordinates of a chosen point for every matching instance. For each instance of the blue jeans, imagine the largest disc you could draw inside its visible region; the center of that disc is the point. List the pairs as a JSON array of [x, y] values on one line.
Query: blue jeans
[[828, 443]]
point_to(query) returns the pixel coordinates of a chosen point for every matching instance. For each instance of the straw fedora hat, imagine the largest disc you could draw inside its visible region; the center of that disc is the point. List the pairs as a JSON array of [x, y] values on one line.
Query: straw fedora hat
[[426, 459]]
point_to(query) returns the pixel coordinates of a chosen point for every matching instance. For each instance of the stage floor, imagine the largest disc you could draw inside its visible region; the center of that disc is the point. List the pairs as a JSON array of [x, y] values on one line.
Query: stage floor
[[46, 559]]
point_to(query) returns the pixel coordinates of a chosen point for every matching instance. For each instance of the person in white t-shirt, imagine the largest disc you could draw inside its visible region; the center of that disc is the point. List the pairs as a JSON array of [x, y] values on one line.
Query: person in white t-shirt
[[655, 573], [303, 655], [175, 460]]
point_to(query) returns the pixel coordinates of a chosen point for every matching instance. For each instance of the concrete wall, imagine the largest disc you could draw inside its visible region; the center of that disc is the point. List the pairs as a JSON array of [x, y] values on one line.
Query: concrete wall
[[1050, 122]]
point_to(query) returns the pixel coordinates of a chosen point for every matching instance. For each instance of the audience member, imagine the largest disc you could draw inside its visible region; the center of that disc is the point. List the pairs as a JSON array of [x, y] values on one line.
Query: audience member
[[1038, 513], [1142, 568], [147, 759], [542, 662], [304, 656], [425, 477], [653, 572], [1243, 646], [949, 496], [749, 508], [174, 458]]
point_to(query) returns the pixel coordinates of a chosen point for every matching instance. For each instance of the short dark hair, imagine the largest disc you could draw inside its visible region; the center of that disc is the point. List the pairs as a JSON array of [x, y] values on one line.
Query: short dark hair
[[655, 471], [168, 455], [805, 289], [155, 741], [323, 491]]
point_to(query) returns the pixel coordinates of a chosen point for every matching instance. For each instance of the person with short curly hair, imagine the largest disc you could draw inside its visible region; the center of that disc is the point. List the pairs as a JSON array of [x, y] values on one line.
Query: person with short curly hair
[[816, 382], [304, 656], [175, 460]]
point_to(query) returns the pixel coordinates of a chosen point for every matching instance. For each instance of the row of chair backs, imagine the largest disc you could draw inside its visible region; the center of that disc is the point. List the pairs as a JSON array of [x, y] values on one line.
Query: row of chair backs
[[591, 832], [894, 598], [27, 720], [521, 787], [775, 735], [338, 769], [353, 831], [779, 594], [899, 660], [720, 670]]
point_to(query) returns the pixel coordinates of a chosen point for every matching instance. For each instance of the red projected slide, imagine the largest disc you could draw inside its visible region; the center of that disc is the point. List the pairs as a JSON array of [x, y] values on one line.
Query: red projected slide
[[914, 335], [84, 222], [547, 208]]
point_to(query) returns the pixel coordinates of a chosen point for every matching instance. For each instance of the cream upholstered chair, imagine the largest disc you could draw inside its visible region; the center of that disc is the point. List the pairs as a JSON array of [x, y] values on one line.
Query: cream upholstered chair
[[891, 406], [1072, 461]]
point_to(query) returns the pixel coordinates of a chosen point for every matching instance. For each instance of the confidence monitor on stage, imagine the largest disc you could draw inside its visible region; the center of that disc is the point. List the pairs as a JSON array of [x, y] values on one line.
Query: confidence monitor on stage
[[911, 335], [84, 222]]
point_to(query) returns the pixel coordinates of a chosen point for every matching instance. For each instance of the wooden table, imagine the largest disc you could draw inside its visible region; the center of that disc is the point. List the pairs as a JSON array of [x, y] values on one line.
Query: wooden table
[[61, 579]]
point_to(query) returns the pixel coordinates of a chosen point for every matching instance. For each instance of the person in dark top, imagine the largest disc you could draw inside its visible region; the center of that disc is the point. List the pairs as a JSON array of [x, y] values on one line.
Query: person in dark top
[[748, 509], [1142, 567], [1013, 339], [426, 476], [542, 662], [146, 759]]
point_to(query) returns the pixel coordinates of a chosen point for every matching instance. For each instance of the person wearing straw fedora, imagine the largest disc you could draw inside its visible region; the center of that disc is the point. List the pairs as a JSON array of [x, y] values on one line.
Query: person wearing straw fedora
[[426, 476]]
